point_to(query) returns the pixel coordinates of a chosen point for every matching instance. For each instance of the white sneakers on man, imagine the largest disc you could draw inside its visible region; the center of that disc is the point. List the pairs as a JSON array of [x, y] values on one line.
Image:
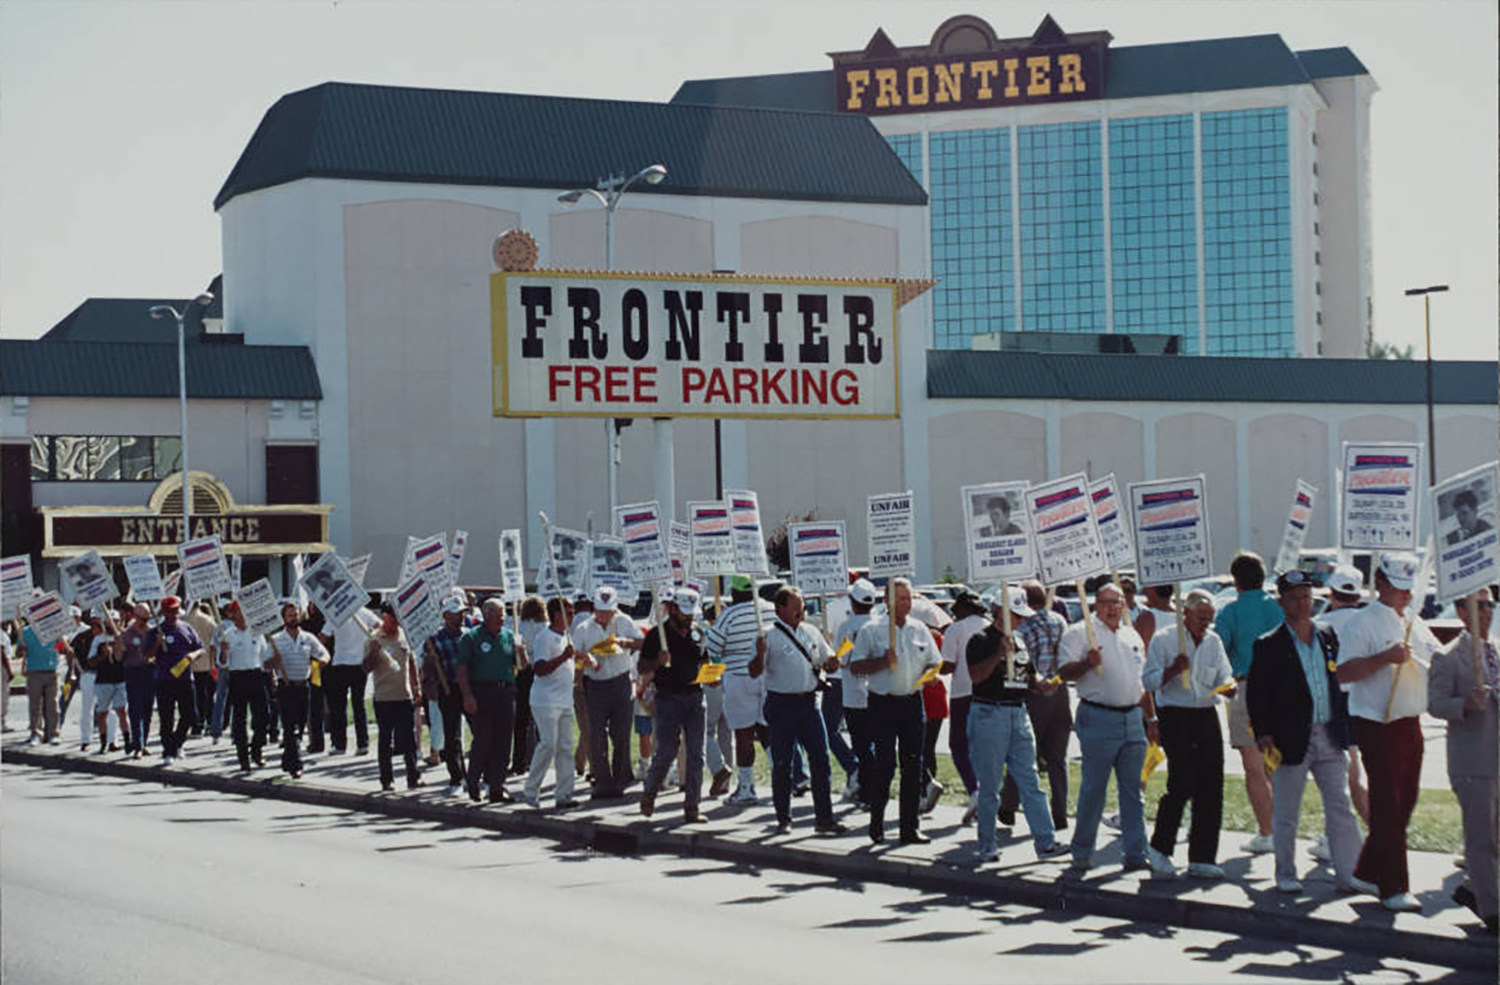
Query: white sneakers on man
[[1401, 903], [1288, 885], [1260, 845], [1319, 849], [1204, 870], [742, 795]]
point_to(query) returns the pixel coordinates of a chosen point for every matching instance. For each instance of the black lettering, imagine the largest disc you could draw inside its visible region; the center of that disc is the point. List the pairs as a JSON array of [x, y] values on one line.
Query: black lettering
[[683, 316], [814, 310], [633, 314], [771, 304], [538, 304], [859, 310], [585, 304], [735, 304]]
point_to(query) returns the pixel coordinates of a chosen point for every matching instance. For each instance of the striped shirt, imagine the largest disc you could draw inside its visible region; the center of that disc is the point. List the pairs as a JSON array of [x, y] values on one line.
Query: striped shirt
[[298, 654], [731, 639], [1042, 633]]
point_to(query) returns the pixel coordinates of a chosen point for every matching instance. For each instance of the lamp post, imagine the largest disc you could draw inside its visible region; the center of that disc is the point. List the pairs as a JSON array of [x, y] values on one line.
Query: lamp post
[[608, 193], [167, 311], [1426, 294]]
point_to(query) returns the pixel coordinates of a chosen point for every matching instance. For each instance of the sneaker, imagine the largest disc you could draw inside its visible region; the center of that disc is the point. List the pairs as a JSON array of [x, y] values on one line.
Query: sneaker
[[851, 789], [743, 795], [970, 812], [1161, 866], [1361, 887], [783, 827], [34, 739], [1055, 850], [1112, 821], [648, 803], [1260, 845], [1401, 903], [56, 741], [1204, 870], [931, 795], [85, 747], [1288, 884], [365, 751], [1319, 849], [720, 783], [640, 769], [672, 778], [983, 857]]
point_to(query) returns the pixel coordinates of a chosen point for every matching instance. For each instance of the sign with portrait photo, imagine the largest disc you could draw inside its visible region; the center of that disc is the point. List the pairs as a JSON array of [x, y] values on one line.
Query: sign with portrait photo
[[512, 574], [1467, 543], [333, 590], [87, 580], [997, 532]]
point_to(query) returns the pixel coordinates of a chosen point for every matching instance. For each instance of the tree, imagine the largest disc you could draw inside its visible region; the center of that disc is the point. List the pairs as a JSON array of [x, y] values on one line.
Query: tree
[[778, 551]]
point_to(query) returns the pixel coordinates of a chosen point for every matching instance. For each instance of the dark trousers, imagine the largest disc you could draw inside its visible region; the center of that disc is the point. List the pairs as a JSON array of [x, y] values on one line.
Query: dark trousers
[[1195, 772], [451, 704], [958, 741], [344, 685], [140, 695], [930, 733], [611, 711], [395, 721], [521, 744], [833, 714], [494, 716], [315, 716], [1393, 764], [293, 701], [1052, 724], [247, 695], [273, 709], [896, 727], [174, 704], [679, 719], [203, 700], [864, 749], [794, 720]]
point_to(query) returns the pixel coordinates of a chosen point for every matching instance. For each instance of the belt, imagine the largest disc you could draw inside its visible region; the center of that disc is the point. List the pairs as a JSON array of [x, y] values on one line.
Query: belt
[[1120, 708], [998, 702], [792, 694], [294, 683]]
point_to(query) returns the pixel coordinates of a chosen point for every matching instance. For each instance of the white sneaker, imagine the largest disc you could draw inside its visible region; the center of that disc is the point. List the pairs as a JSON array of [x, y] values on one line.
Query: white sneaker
[[1319, 849], [640, 769], [1260, 845], [1287, 884], [1402, 903], [1112, 821], [1160, 864], [1362, 887], [742, 795], [972, 811], [851, 789], [931, 795], [672, 780], [1205, 870]]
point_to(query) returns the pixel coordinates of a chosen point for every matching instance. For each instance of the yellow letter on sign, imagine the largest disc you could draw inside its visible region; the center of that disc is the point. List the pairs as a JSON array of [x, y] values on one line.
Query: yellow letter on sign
[[1039, 84], [858, 80], [1071, 69], [885, 88]]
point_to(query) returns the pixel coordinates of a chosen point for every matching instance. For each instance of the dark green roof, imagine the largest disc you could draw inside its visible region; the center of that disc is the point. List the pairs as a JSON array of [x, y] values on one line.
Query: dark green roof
[[385, 133], [957, 373], [1213, 65], [126, 320], [47, 368]]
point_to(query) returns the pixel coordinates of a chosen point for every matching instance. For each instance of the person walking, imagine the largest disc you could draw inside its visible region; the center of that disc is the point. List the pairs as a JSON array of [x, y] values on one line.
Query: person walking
[[176, 646], [242, 660], [486, 670], [553, 662], [393, 677], [612, 638], [293, 652]]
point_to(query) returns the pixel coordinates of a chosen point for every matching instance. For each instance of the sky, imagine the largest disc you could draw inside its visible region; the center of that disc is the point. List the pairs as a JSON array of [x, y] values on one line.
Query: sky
[[120, 119]]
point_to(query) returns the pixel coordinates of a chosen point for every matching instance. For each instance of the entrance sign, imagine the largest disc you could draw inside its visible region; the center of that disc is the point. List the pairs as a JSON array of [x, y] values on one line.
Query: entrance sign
[[1380, 497], [1296, 527], [820, 563], [1171, 530], [890, 531], [997, 532], [1068, 544], [1465, 532]]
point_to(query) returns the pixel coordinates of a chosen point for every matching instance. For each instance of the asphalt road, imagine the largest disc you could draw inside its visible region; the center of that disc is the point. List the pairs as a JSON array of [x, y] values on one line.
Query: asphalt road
[[115, 880]]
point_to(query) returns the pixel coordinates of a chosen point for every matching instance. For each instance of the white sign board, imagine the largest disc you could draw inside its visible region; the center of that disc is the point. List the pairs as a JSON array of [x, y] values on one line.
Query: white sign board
[[357, 567], [87, 581], [1295, 534], [711, 534], [236, 569], [646, 543], [512, 573], [1114, 524], [15, 583], [1171, 530], [456, 554], [428, 557], [330, 587], [1380, 497], [48, 617], [171, 582], [1467, 532], [607, 566], [749, 542], [258, 605], [570, 552], [1068, 545], [671, 345], [890, 531], [997, 532], [417, 610], [205, 572], [820, 557]]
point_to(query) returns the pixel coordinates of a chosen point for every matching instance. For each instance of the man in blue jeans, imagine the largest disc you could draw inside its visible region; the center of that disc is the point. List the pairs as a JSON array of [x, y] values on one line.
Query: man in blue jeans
[[999, 729]]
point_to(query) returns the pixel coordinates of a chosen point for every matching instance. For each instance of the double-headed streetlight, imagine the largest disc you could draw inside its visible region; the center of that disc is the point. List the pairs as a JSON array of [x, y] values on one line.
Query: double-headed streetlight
[[608, 192], [167, 311], [1426, 294]]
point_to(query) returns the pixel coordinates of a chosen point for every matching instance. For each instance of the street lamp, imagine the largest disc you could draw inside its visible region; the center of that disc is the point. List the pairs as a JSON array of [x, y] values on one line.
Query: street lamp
[[1426, 294], [608, 192], [167, 311]]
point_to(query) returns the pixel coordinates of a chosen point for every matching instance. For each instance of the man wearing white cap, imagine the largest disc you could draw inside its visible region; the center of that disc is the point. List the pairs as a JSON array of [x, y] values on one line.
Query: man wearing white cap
[[1345, 598], [732, 640], [1383, 657], [857, 692], [1000, 738], [440, 687], [679, 703], [612, 638]]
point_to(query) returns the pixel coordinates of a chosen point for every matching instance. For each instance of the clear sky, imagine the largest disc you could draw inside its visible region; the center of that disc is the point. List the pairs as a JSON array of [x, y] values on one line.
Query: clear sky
[[119, 119]]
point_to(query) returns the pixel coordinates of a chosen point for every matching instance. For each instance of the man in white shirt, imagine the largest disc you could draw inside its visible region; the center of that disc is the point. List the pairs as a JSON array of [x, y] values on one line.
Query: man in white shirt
[[1115, 714], [1384, 653], [552, 708], [242, 658], [292, 653], [345, 686], [861, 599], [794, 653], [896, 714], [613, 638], [732, 640], [1185, 682], [969, 620]]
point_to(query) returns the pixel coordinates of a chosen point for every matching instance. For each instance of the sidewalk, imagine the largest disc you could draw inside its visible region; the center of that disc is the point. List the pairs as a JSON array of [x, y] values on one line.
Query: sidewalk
[[1246, 903]]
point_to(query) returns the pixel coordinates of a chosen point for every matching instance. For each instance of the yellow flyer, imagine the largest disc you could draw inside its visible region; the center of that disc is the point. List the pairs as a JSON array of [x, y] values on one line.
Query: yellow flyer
[[709, 673]]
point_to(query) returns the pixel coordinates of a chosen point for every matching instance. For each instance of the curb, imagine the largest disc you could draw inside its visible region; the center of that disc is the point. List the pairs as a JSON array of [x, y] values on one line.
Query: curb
[[642, 838]]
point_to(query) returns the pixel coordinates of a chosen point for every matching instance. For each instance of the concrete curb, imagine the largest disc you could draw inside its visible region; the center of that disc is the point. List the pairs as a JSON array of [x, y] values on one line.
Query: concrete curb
[[642, 837]]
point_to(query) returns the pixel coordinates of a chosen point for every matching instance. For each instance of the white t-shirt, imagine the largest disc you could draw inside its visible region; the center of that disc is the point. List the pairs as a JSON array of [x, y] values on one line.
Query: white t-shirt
[[554, 690], [1378, 627], [856, 689], [915, 652], [956, 652], [788, 671], [244, 650], [349, 643]]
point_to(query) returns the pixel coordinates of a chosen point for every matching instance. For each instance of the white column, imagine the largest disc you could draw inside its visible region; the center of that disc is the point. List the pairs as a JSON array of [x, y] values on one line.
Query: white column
[[734, 456], [1242, 477], [1054, 439], [1148, 444], [666, 485], [541, 482]]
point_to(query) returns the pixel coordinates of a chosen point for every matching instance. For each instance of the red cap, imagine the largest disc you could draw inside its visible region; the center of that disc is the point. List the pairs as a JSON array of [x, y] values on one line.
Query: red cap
[[171, 603]]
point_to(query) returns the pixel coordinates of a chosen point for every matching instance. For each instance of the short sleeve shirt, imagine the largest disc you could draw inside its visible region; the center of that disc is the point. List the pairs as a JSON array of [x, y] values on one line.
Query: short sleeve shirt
[[175, 642], [790, 655], [1117, 680], [490, 657]]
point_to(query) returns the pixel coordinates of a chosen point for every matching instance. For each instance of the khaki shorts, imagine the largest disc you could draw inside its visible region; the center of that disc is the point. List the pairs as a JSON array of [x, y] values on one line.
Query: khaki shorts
[[1240, 735]]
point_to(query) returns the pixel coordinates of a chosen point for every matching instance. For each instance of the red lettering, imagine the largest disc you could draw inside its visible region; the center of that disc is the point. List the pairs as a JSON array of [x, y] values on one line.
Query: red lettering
[[587, 378], [555, 381], [815, 385], [744, 381], [692, 380], [771, 383], [845, 388], [717, 387], [615, 384], [645, 385]]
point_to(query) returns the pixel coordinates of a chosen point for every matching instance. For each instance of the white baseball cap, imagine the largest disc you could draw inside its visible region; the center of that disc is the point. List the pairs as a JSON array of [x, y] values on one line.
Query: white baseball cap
[[863, 591], [1400, 569], [452, 604], [605, 597], [686, 599], [1346, 580], [1018, 604]]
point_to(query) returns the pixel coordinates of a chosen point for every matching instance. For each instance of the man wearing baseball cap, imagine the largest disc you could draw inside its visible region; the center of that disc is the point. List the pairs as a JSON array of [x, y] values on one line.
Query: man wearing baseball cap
[[175, 645], [856, 690], [613, 639], [679, 702], [731, 639], [1345, 598], [1384, 654]]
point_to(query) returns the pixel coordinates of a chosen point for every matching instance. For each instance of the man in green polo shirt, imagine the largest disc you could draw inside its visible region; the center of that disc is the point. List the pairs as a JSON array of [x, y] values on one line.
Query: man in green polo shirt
[[487, 658]]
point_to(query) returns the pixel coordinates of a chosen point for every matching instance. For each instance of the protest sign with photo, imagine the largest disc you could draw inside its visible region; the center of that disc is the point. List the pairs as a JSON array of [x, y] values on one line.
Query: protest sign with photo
[[1295, 534], [512, 574], [87, 581], [205, 573], [996, 532], [1170, 517], [456, 554], [1068, 544], [15, 583], [330, 587], [712, 539], [570, 554], [145, 577], [357, 566], [1379, 508], [1114, 525], [607, 566], [417, 610], [646, 543], [749, 542], [258, 605], [820, 557], [1466, 537], [48, 617], [891, 535]]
